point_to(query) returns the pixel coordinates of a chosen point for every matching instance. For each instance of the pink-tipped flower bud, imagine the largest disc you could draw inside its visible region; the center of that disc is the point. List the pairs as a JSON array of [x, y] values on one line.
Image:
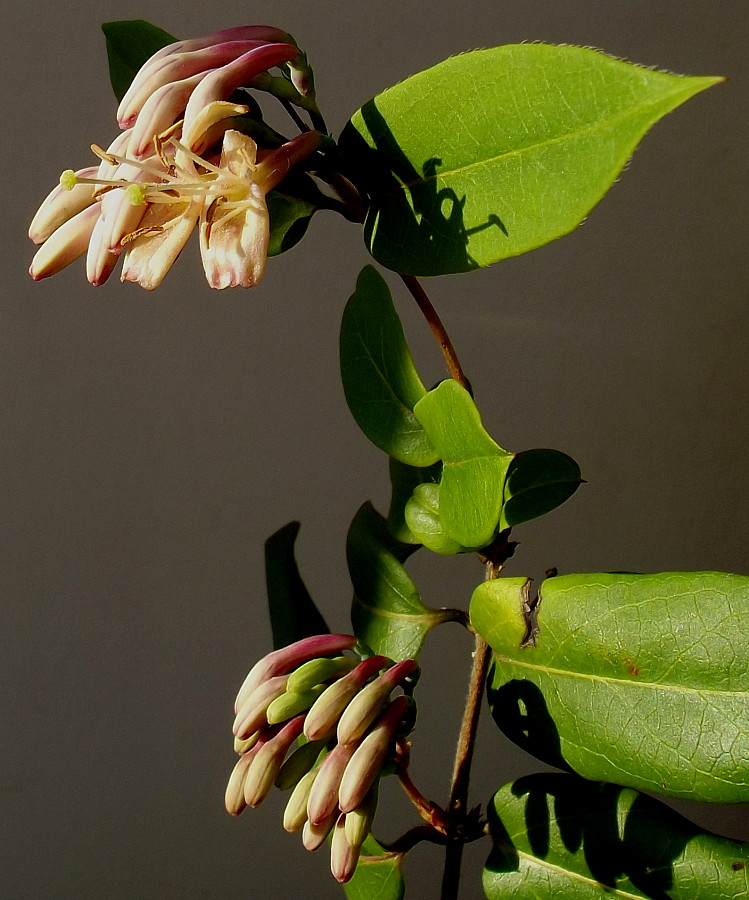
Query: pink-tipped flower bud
[[329, 706], [62, 204], [267, 762], [66, 244], [281, 662], [369, 758], [323, 798], [252, 714], [368, 703], [343, 855], [314, 835]]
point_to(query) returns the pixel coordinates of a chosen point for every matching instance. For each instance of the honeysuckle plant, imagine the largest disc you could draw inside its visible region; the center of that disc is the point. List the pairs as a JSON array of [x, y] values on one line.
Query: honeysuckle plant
[[629, 684]]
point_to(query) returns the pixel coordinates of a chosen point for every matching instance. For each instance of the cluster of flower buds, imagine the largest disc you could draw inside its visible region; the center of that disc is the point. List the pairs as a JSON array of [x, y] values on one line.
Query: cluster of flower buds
[[324, 725], [177, 163]]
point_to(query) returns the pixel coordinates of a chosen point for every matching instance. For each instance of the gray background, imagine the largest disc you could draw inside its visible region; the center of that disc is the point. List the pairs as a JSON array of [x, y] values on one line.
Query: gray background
[[151, 442]]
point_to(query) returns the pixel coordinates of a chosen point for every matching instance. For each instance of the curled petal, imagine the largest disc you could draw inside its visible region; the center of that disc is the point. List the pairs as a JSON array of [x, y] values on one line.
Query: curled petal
[[149, 257], [175, 67], [203, 133], [221, 83], [234, 249], [164, 106], [65, 245], [61, 205]]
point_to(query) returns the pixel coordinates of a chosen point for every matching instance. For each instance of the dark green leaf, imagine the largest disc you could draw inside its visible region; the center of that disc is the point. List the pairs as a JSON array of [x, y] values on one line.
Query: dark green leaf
[[403, 480], [559, 836], [379, 377], [493, 153], [537, 482], [474, 466], [293, 614], [289, 219], [638, 679], [387, 613], [129, 45], [378, 875]]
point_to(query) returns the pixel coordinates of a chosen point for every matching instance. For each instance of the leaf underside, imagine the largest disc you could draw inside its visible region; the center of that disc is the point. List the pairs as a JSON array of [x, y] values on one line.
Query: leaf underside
[[559, 836]]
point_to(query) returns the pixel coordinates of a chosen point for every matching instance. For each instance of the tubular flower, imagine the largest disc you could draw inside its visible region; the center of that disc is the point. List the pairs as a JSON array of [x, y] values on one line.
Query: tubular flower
[[297, 694], [178, 164]]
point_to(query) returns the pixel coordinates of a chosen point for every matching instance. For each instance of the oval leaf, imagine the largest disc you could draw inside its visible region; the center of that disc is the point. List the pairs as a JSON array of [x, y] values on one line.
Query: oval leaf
[[496, 152], [289, 219], [403, 481], [474, 466], [537, 482], [380, 380], [129, 45], [423, 520], [638, 679], [559, 836], [293, 614], [378, 875], [387, 613]]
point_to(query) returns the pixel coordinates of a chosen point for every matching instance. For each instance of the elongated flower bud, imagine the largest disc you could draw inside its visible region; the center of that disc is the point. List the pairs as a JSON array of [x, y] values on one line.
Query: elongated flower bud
[[281, 662], [295, 814], [368, 760], [252, 713], [65, 245], [314, 835], [61, 205], [267, 762], [323, 798], [290, 704], [301, 761], [317, 671], [329, 706], [359, 820], [234, 796], [368, 703], [343, 855]]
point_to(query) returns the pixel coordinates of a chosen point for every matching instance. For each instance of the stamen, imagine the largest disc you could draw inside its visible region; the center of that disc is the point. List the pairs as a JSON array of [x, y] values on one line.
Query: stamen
[[195, 158], [68, 180], [210, 214], [135, 194], [103, 155], [139, 232]]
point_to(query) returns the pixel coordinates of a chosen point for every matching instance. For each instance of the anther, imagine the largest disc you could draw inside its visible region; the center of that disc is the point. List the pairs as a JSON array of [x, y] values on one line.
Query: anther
[[139, 232]]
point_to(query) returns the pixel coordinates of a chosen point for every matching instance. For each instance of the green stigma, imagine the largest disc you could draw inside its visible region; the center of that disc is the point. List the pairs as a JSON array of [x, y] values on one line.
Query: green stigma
[[68, 180], [135, 194]]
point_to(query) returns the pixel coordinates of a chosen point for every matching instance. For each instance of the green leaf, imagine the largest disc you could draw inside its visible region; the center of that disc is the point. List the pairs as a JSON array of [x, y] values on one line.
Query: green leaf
[[403, 480], [379, 377], [559, 836], [638, 679], [293, 614], [424, 522], [289, 220], [378, 875], [387, 613], [474, 466], [538, 481], [493, 153], [129, 45]]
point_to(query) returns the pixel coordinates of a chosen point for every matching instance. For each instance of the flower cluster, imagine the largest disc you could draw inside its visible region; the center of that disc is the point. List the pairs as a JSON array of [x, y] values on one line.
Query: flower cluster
[[323, 726], [178, 163]]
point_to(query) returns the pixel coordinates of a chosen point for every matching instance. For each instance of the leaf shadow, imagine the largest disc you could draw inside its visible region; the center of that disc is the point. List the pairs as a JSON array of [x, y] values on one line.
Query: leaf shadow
[[637, 841], [431, 234]]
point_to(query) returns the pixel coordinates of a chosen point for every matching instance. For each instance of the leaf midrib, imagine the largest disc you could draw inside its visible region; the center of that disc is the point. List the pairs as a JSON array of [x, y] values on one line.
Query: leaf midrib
[[606, 679], [569, 135]]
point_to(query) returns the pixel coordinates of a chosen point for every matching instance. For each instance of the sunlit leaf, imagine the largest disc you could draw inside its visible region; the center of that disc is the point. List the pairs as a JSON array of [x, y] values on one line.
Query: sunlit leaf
[[493, 153], [129, 45], [293, 614], [380, 380], [562, 837], [474, 466], [424, 522], [641, 680]]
